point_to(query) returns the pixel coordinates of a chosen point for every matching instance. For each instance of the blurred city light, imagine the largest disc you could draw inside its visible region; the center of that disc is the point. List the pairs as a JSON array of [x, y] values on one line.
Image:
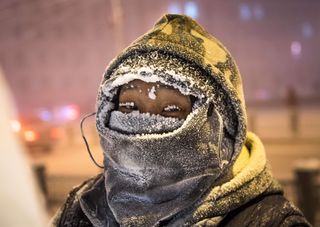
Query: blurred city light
[[30, 136], [296, 49], [258, 12], [307, 30], [174, 8], [45, 115], [245, 13], [16, 125], [56, 133], [263, 94], [70, 112], [191, 9]]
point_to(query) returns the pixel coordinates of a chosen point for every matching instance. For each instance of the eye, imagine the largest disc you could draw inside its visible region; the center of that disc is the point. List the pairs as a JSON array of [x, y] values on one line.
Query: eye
[[172, 108], [128, 105]]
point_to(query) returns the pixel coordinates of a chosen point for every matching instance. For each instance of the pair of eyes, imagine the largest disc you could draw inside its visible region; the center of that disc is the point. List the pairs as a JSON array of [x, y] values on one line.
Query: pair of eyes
[[130, 106]]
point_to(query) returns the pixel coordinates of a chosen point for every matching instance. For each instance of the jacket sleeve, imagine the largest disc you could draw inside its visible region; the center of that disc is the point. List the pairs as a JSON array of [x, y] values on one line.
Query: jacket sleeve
[[295, 220], [292, 216]]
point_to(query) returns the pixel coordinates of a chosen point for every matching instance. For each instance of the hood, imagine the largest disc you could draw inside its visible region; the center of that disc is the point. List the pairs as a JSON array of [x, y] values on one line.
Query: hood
[[201, 51]]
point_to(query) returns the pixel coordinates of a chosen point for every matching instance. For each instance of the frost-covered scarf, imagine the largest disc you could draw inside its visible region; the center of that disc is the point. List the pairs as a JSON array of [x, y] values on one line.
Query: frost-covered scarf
[[151, 177], [142, 123]]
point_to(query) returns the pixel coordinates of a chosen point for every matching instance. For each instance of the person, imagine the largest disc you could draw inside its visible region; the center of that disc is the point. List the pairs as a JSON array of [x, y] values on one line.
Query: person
[[172, 124]]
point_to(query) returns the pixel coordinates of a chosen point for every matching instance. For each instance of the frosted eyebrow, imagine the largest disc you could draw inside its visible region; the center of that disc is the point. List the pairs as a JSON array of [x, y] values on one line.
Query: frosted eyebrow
[[129, 86]]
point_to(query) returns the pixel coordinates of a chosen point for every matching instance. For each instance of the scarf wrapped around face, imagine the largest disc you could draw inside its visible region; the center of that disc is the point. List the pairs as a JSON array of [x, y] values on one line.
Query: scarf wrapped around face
[[151, 177]]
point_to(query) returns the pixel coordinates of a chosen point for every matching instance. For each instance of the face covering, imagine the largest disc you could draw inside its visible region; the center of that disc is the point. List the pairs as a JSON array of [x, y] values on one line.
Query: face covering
[[151, 175], [142, 123]]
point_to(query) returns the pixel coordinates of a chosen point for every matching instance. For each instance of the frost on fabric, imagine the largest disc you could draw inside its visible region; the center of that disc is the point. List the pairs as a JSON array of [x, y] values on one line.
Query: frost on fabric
[[148, 75], [125, 74], [152, 169], [173, 71], [142, 123]]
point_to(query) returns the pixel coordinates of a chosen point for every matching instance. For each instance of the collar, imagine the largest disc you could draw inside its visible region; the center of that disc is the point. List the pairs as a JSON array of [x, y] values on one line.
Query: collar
[[250, 181], [94, 205]]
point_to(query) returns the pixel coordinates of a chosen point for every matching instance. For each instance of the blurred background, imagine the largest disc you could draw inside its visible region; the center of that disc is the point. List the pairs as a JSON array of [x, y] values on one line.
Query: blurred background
[[53, 54]]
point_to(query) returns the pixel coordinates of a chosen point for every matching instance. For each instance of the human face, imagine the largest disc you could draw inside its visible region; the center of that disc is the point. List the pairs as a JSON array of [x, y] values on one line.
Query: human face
[[153, 98]]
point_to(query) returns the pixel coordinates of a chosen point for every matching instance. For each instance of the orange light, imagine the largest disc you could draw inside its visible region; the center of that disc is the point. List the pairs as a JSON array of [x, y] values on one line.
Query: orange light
[[16, 125], [56, 133], [30, 136]]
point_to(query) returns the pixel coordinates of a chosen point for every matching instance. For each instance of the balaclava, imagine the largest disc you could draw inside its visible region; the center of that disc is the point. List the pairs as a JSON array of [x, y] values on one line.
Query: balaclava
[[155, 166]]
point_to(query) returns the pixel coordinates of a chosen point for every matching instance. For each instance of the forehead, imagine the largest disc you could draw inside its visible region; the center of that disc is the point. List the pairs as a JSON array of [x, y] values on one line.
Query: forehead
[[139, 84]]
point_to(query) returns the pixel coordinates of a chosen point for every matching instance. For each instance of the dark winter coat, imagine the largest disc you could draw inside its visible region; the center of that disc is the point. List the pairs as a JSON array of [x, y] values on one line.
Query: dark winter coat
[[266, 210], [251, 198]]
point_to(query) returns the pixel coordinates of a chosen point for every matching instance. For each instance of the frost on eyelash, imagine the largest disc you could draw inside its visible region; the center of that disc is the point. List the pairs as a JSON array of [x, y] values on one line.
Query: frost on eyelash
[[124, 74], [126, 104], [172, 108]]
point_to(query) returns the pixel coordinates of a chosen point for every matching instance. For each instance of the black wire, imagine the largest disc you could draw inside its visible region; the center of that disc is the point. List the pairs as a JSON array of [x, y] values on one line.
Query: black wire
[[85, 140]]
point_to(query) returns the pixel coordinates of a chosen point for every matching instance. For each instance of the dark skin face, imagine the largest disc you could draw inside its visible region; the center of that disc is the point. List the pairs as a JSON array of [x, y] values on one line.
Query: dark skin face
[[154, 98]]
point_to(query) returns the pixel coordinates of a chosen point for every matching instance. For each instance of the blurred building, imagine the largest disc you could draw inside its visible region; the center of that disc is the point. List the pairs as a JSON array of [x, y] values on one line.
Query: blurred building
[[54, 52]]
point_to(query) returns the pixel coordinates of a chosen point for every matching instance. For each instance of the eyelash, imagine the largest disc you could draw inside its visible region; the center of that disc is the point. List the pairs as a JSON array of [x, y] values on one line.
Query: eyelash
[[127, 105], [132, 106], [172, 108]]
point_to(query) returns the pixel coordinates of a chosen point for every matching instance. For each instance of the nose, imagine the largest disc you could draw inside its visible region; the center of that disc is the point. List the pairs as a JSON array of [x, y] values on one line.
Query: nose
[[151, 107]]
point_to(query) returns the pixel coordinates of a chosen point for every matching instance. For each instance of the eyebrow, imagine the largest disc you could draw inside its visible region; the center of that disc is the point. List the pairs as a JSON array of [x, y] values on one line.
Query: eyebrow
[[132, 86], [127, 86]]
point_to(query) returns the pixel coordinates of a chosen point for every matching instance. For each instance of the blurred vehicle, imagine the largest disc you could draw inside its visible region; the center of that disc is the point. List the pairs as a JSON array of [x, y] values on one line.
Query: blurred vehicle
[[42, 130], [37, 135]]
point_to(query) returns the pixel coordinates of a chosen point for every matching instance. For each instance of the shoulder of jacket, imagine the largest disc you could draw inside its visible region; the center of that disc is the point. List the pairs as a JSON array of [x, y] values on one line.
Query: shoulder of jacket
[[267, 210], [77, 191], [71, 211]]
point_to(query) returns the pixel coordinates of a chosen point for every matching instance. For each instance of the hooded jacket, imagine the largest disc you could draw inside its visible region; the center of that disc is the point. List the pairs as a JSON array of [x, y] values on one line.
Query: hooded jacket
[[251, 197]]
